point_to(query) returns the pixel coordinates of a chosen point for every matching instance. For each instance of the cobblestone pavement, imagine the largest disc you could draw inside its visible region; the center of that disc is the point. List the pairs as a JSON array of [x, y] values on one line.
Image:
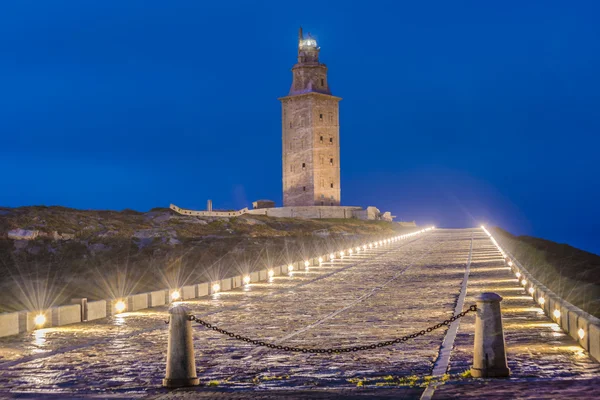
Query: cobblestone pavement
[[379, 295]]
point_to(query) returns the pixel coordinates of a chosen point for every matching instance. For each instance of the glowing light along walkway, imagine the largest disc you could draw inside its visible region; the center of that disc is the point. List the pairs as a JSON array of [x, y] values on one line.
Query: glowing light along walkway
[[378, 294], [372, 249]]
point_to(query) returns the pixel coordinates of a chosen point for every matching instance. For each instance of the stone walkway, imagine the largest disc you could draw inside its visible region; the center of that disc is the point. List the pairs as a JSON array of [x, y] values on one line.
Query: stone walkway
[[379, 295]]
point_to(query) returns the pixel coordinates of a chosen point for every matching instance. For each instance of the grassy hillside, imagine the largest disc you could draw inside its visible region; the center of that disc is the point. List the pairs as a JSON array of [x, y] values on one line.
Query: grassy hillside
[[103, 254], [571, 273]]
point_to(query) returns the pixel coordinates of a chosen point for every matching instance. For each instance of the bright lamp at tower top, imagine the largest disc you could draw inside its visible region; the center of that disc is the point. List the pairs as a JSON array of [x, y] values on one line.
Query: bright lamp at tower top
[[310, 42]]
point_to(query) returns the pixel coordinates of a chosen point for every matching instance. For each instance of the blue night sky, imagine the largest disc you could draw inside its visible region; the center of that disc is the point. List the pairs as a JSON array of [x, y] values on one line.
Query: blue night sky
[[454, 113]]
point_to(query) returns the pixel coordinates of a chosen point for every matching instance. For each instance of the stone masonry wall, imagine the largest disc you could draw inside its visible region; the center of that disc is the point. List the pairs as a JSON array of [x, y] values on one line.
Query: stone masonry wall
[[311, 150]]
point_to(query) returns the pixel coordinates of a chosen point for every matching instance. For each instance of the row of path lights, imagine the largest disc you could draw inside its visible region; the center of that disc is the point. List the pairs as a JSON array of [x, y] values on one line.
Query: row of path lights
[[181, 370], [531, 290], [120, 305], [332, 256]]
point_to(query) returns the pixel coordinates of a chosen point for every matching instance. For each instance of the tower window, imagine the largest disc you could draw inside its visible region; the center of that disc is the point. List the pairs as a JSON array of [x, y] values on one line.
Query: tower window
[[331, 185], [290, 124], [330, 140], [322, 196], [303, 165], [321, 117], [304, 188], [322, 82], [331, 161], [321, 139]]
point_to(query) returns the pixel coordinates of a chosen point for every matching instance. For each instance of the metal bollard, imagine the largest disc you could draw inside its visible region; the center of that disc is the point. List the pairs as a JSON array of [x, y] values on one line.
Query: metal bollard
[[181, 364], [489, 354]]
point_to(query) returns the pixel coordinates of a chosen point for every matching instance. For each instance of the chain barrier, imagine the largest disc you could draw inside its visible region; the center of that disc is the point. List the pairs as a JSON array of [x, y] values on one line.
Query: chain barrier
[[334, 350]]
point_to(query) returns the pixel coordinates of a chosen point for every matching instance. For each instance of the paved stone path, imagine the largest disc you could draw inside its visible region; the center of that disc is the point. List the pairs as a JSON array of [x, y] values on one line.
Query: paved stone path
[[379, 295]]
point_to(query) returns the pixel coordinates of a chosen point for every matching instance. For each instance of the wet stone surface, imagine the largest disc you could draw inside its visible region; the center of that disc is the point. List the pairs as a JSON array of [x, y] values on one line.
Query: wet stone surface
[[377, 295]]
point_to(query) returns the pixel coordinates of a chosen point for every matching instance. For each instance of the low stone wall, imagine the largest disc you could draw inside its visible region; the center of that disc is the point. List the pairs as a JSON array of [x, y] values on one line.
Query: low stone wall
[[312, 212], [581, 326], [9, 324], [318, 212], [158, 298], [65, 315], [183, 211], [137, 302], [24, 321], [411, 224], [96, 310], [188, 292]]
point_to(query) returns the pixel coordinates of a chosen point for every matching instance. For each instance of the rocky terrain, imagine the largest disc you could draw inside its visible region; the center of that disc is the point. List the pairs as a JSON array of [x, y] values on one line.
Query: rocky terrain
[[51, 254]]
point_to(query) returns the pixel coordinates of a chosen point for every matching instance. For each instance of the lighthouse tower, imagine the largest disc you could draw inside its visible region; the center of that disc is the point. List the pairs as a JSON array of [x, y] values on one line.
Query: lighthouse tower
[[310, 133]]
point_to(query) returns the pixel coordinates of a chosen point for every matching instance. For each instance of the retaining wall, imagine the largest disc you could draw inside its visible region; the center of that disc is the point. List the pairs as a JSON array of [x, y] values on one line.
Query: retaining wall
[[183, 211], [9, 324], [188, 292], [65, 315], [157, 298], [312, 212], [137, 302], [96, 310], [571, 318]]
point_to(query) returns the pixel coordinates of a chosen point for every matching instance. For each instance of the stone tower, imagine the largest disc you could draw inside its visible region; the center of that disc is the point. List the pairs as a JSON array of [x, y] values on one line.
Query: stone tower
[[310, 133]]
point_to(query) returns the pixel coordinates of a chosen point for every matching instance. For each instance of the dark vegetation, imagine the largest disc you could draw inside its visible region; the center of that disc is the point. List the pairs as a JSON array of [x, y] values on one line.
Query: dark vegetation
[[110, 254], [571, 273]]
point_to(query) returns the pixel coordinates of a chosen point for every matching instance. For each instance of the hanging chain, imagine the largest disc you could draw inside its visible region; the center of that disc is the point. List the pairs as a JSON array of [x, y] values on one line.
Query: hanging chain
[[334, 350]]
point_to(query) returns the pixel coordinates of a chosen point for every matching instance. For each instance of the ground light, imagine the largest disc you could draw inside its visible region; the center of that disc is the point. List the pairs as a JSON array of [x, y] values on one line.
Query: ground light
[[518, 274], [247, 279], [290, 267], [541, 300], [306, 264], [331, 256], [216, 287], [556, 314], [120, 306], [581, 333], [39, 319], [175, 295], [524, 282], [531, 290], [320, 260], [271, 273]]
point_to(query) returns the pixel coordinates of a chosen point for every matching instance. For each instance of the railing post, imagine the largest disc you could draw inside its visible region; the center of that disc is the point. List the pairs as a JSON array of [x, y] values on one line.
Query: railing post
[[489, 354], [181, 364]]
